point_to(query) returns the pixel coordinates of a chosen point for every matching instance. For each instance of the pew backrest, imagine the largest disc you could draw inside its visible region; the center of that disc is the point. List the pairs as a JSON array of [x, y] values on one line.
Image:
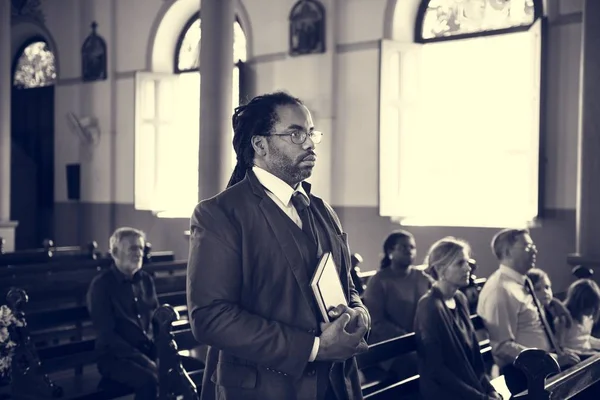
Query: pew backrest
[[545, 380], [50, 254], [174, 380]]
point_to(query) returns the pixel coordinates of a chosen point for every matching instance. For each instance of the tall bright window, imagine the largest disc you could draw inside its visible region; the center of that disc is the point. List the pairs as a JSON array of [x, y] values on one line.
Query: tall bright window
[[460, 116], [168, 126]]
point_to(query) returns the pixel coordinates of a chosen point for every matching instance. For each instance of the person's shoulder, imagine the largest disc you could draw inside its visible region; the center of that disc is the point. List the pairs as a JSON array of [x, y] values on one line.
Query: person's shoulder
[[231, 197], [492, 282], [325, 205], [498, 289], [429, 301], [460, 297], [103, 280], [420, 274], [217, 210], [146, 275], [380, 276]]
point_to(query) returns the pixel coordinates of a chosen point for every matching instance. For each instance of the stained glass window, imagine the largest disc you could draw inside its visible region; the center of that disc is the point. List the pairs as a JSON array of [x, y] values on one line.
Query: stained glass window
[[188, 53], [36, 67], [444, 18]]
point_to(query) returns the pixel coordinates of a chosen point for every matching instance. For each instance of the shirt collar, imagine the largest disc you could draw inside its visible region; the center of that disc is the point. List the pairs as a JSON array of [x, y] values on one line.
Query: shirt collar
[[512, 274], [278, 187], [121, 277]]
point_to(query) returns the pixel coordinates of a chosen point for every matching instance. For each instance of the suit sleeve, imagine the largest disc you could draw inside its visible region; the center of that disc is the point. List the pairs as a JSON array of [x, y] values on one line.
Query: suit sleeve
[[431, 331], [218, 317], [354, 300]]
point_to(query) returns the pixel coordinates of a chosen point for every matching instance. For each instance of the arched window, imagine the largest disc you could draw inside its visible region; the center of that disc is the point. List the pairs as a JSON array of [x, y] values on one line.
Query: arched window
[[460, 135], [35, 66], [456, 19], [169, 121]]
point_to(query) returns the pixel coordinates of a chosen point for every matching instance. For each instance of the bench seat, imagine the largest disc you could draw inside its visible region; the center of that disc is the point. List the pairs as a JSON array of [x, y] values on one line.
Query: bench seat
[[87, 386]]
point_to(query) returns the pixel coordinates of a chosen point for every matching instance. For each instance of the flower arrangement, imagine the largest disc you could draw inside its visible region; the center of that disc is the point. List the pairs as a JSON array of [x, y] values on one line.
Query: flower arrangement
[[7, 347]]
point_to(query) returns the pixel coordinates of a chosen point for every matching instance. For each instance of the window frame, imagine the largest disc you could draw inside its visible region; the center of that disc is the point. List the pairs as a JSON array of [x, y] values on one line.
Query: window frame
[[388, 199], [143, 197], [422, 10]]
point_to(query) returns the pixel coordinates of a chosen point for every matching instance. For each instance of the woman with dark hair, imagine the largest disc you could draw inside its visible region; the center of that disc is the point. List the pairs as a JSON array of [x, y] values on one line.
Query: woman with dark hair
[[449, 358], [392, 295], [393, 292]]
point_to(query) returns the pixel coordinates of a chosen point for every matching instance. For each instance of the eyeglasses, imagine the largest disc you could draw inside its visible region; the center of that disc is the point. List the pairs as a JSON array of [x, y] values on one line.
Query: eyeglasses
[[299, 136]]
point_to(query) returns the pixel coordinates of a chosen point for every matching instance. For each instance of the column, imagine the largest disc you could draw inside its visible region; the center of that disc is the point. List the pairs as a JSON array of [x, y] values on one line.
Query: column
[[588, 168], [216, 66], [7, 227]]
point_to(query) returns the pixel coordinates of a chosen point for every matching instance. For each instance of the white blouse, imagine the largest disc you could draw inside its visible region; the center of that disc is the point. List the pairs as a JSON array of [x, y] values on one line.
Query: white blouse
[[579, 337]]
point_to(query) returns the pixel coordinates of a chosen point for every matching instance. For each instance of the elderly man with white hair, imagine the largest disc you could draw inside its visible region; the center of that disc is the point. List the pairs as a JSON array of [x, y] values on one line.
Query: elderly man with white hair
[[121, 301]]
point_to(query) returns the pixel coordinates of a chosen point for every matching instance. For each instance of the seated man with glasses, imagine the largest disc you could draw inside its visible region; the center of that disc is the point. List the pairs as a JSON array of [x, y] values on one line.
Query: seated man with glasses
[[511, 311], [253, 250]]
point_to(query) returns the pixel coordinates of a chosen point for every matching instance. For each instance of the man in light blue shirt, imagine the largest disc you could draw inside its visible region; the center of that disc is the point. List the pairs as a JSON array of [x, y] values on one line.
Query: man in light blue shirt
[[509, 311]]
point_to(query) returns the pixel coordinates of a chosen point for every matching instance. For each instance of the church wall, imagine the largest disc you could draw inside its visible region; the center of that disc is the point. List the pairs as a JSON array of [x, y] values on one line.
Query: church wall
[[355, 193], [340, 87]]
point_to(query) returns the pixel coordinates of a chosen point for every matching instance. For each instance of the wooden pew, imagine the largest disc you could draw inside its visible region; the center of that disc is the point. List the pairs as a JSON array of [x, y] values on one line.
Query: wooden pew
[[62, 319], [385, 386], [27, 380], [50, 253], [56, 361], [355, 273], [380, 384], [72, 255], [47, 283], [174, 379], [63, 338], [175, 342], [547, 382]]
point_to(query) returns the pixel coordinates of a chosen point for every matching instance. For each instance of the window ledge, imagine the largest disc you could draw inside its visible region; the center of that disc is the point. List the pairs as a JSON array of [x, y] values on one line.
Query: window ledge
[[173, 214], [440, 222]]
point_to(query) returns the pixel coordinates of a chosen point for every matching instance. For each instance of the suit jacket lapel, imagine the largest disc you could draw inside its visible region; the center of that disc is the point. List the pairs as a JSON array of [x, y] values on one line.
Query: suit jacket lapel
[[339, 247]]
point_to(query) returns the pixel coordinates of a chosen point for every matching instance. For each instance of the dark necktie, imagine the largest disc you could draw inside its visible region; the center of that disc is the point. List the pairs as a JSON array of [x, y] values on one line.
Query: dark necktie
[[542, 314], [301, 202]]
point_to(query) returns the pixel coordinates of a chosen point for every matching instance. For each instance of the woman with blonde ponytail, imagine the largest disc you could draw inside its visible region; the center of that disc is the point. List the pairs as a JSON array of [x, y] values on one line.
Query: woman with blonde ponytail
[[450, 362]]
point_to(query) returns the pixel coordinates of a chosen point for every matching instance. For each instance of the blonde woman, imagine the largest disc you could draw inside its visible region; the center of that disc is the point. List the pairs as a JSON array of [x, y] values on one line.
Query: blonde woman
[[450, 362]]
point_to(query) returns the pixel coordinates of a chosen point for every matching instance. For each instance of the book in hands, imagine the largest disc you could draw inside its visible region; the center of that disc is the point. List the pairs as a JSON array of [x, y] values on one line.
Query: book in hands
[[327, 286]]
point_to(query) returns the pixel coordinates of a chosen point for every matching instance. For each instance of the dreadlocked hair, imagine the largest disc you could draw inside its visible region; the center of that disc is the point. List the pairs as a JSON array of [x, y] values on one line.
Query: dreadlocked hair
[[253, 119]]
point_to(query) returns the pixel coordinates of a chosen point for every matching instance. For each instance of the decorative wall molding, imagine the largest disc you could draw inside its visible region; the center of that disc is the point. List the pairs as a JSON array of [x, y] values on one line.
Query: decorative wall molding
[[28, 8], [78, 80], [567, 19], [357, 46]]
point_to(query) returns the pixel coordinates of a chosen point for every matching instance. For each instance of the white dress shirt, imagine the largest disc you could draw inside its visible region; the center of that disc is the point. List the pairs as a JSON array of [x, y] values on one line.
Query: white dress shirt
[[281, 193], [510, 316]]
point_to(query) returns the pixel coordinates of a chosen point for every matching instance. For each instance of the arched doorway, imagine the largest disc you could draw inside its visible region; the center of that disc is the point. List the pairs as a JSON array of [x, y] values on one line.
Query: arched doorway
[[32, 150]]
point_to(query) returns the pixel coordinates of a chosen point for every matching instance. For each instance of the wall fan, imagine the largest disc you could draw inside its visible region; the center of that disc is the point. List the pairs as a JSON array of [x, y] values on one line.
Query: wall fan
[[86, 128]]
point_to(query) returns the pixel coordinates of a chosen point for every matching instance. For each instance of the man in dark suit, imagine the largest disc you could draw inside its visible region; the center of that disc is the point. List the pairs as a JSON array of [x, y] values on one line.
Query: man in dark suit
[[253, 250]]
